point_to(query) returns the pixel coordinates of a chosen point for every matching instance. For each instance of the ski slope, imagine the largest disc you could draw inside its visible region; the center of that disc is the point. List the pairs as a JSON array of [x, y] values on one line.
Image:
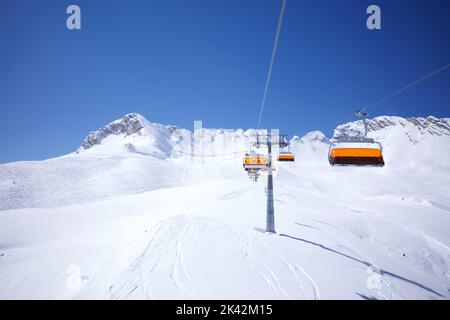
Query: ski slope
[[146, 227]]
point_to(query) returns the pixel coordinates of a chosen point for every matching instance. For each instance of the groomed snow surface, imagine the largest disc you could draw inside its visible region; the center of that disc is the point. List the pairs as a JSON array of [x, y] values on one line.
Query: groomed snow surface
[[131, 225]]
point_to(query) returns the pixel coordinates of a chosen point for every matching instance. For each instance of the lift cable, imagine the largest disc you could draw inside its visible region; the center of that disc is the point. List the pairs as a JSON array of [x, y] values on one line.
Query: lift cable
[[376, 103], [370, 106], [274, 49]]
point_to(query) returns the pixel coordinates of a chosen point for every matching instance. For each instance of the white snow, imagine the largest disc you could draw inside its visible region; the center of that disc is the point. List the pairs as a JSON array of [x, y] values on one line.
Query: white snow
[[155, 223]]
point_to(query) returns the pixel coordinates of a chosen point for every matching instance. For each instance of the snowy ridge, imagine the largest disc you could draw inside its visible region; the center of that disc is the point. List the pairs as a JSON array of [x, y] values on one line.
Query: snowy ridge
[[133, 133], [133, 155], [413, 127], [130, 124], [133, 214], [311, 149]]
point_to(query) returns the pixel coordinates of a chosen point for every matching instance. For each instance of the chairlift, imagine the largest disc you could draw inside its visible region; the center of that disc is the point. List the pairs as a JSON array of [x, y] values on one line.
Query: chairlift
[[356, 151], [285, 155], [255, 161]]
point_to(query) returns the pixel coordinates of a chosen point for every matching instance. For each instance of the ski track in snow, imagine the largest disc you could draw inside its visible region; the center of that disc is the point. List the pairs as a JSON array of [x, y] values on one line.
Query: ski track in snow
[[166, 243], [299, 275]]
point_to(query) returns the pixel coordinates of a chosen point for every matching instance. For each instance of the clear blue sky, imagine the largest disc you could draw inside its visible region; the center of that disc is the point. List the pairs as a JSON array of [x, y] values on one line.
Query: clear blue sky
[[175, 61]]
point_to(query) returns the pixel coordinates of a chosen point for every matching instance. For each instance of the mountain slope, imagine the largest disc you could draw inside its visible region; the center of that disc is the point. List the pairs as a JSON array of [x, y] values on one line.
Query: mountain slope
[[169, 218], [340, 236]]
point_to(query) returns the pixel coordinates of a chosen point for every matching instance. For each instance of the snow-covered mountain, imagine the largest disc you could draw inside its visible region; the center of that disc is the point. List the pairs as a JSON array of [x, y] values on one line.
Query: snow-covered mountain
[[134, 133], [402, 138], [414, 128], [144, 210], [133, 155]]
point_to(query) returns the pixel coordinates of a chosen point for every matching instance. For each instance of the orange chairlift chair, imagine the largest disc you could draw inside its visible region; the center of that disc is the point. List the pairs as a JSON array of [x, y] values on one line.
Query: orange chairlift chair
[[356, 151], [285, 155]]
